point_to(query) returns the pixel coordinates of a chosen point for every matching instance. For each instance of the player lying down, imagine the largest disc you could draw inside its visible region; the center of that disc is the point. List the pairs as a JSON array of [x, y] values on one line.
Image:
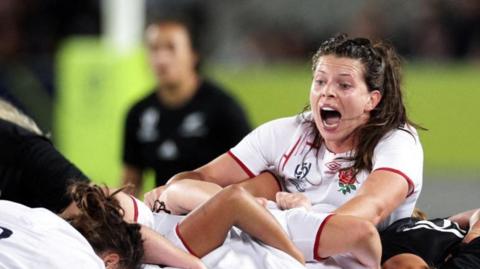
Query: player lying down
[[197, 234], [95, 238], [32, 236], [436, 243]]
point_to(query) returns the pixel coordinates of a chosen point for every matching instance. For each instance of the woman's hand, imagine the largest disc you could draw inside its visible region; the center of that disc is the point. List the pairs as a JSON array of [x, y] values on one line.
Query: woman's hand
[[286, 200], [262, 201], [150, 197]]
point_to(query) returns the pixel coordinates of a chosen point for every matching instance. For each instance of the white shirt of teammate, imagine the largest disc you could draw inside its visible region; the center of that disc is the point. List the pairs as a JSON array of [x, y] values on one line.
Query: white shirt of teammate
[[37, 238], [286, 148]]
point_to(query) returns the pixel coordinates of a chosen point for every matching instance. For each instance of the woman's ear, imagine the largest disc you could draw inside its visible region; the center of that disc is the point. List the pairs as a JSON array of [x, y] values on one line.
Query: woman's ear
[[374, 98], [111, 260]]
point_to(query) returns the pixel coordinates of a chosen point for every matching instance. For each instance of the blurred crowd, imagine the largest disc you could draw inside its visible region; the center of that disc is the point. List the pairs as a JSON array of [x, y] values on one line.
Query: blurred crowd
[[31, 32]]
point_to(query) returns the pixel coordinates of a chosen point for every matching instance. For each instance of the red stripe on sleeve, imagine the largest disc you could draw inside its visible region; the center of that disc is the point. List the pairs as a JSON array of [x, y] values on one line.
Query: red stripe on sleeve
[[317, 256], [177, 230], [242, 165], [135, 209], [411, 186]]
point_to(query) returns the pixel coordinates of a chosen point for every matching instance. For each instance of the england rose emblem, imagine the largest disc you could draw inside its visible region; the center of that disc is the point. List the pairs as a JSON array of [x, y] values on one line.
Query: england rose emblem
[[346, 180]]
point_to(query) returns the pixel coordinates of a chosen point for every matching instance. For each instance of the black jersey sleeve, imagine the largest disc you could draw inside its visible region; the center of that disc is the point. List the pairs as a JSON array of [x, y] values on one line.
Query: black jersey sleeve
[[32, 171], [131, 148], [465, 256], [48, 174]]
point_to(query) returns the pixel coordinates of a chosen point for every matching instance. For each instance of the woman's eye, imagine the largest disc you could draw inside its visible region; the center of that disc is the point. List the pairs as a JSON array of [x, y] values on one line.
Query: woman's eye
[[345, 86], [320, 82]]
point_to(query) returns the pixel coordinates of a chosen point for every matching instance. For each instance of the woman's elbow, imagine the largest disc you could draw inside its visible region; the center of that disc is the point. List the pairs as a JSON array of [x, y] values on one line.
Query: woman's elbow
[[380, 211]]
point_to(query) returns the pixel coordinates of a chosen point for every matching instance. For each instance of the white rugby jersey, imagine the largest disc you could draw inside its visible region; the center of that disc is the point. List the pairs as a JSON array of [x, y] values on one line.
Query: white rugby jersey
[[37, 238], [286, 148]]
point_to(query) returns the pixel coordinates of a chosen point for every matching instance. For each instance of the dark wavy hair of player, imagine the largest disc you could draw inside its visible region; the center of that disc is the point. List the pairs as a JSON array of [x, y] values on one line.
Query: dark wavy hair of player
[[101, 222], [382, 71]]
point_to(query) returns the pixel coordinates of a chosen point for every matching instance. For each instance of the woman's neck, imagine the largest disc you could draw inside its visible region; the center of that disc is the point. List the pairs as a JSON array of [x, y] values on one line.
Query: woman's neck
[[341, 146], [174, 96]]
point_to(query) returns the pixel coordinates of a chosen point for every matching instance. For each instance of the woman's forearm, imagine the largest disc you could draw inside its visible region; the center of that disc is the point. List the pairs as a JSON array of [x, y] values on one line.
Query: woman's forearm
[[463, 218], [183, 196], [159, 250], [379, 196], [365, 207]]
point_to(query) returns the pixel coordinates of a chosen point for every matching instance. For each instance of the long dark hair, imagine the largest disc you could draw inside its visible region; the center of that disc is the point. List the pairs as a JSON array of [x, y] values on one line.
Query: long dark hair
[[101, 222], [382, 71]]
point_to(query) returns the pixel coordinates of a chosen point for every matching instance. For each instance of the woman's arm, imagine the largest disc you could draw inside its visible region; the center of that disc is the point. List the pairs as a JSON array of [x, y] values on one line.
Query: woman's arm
[[223, 171], [185, 195], [159, 250], [463, 218], [382, 192]]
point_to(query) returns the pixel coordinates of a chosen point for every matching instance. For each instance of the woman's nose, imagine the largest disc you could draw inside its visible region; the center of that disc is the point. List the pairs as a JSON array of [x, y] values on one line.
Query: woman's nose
[[328, 91]]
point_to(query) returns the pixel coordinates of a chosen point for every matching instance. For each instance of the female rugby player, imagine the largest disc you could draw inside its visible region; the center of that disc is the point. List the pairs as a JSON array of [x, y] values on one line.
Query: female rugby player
[[355, 152]]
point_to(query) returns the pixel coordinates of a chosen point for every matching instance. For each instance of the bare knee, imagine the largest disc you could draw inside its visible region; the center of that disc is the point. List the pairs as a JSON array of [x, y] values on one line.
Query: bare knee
[[366, 231], [235, 193]]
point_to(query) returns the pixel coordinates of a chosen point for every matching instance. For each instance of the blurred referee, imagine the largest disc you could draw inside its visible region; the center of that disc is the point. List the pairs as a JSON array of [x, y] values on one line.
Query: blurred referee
[[186, 120]]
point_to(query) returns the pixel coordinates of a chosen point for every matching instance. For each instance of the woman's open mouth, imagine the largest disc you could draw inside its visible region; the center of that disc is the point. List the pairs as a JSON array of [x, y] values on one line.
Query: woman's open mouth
[[330, 117]]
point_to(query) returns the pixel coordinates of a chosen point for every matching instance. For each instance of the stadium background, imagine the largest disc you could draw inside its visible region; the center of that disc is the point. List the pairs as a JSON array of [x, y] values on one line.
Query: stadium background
[[260, 51]]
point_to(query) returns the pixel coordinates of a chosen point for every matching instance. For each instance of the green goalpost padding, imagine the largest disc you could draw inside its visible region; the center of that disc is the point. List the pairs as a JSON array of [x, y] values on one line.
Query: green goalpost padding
[[96, 86]]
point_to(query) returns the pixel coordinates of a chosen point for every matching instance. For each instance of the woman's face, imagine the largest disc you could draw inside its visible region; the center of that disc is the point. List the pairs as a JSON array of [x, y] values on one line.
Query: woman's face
[[170, 52], [340, 100]]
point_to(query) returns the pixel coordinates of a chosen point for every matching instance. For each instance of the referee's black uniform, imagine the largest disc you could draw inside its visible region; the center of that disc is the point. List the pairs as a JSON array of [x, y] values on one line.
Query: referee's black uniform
[[32, 171], [437, 241], [174, 140]]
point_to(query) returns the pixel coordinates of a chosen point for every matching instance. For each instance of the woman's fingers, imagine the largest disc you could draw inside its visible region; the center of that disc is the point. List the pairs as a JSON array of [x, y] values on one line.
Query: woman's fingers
[[150, 197], [287, 200]]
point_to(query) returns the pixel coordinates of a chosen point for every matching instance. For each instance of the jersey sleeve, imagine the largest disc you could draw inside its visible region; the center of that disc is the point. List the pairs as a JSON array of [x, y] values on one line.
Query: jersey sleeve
[[48, 174], [258, 151], [131, 147], [400, 152], [142, 214]]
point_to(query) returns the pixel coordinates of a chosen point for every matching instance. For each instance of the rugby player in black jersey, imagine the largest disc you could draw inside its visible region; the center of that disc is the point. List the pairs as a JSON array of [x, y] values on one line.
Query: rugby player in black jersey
[[186, 120], [416, 243]]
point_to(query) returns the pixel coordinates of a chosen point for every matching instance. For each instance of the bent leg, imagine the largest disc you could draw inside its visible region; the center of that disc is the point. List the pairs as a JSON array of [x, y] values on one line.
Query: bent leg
[[206, 228], [343, 233]]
